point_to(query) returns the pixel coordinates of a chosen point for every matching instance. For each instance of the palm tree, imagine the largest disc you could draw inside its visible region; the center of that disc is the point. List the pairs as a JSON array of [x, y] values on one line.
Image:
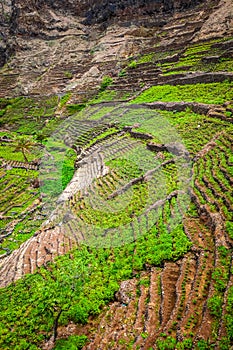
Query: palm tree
[[24, 144]]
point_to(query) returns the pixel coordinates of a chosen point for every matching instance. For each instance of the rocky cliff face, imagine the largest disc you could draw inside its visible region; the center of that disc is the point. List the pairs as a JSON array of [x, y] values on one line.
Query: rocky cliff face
[[54, 46], [33, 17], [51, 19], [104, 10], [5, 22]]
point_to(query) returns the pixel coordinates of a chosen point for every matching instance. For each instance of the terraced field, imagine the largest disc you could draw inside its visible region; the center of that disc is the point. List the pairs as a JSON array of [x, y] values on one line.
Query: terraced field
[[116, 202]]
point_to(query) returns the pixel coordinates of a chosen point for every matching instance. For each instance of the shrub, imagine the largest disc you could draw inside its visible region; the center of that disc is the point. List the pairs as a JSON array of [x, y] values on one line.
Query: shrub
[[168, 344], [122, 73], [74, 342], [132, 64], [75, 108], [215, 306], [185, 344], [68, 167], [106, 81], [64, 99], [202, 345], [68, 74], [229, 229], [215, 93]]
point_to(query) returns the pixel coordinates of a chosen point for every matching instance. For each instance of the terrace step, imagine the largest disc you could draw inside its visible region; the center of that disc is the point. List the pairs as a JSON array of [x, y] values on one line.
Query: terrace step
[[16, 164], [196, 298], [124, 321], [153, 321], [183, 289], [196, 78], [222, 329], [35, 252], [169, 278], [8, 82]]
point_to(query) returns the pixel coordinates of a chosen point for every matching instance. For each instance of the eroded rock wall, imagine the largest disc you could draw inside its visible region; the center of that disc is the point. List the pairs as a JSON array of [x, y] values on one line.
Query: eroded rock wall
[[104, 10], [5, 23]]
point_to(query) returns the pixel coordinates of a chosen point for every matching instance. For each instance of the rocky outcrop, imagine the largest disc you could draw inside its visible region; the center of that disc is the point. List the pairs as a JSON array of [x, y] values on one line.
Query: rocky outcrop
[[220, 22], [54, 50], [5, 21], [43, 19], [54, 19], [33, 17], [104, 10]]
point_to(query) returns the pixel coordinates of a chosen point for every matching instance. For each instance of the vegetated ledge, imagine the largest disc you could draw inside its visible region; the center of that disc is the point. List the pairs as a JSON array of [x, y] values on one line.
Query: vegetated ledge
[[199, 108], [144, 178], [174, 148], [211, 110], [196, 78], [137, 134], [196, 107]]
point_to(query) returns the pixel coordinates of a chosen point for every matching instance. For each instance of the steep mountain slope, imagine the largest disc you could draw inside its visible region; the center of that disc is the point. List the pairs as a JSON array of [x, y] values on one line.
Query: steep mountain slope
[[116, 174]]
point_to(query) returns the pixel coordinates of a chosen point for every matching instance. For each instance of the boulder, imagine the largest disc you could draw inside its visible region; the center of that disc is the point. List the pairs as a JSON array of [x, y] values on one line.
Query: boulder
[[126, 292]]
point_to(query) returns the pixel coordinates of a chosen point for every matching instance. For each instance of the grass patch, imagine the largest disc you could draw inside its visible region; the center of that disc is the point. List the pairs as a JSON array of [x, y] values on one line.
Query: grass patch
[[104, 96], [216, 93], [68, 167], [26, 115], [75, 108], [64, 99]]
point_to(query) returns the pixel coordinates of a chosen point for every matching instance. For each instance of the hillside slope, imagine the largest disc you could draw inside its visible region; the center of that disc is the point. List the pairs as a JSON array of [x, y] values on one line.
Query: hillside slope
[[116, 175]]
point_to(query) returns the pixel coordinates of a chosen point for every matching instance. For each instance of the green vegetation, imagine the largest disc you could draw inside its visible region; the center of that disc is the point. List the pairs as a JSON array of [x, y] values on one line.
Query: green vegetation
[[27, 115], [229, 229], [60, 165], [195, 130], [215, 93], [24, 144], [110, 95], [145, 58], [215, 179], [74, 342], [229, 317], [170, 343], [122, 73], [101, 113], [75, 108], [49, 294], [64, 99], [194, 59], [57, 293], [106, 81], [106, 95], [132, 64], [22, 148], [17, 195], [102, 136], [215, 306], [77, 286], [68, 75], [68, 167]]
